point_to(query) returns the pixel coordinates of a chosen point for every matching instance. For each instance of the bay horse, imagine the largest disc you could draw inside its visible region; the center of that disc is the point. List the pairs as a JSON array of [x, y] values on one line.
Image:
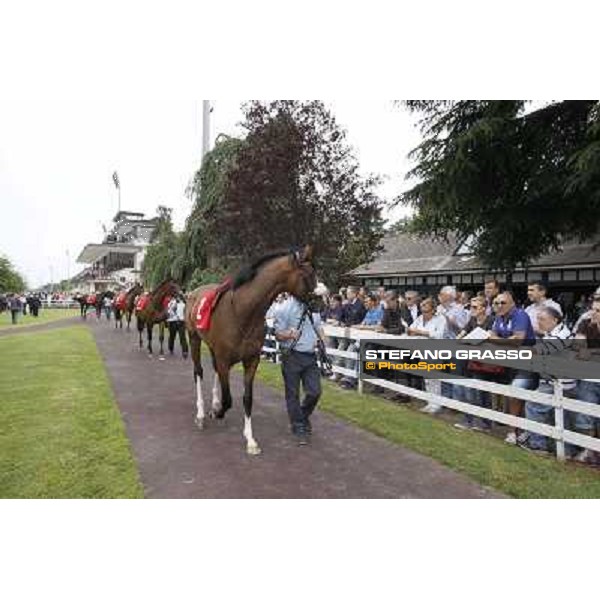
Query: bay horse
[[130, 299], [83, 305], [156, 312], [237, 329]]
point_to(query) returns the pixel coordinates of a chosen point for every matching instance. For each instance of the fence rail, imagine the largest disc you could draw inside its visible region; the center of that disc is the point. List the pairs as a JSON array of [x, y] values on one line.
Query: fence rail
[[548, 365]]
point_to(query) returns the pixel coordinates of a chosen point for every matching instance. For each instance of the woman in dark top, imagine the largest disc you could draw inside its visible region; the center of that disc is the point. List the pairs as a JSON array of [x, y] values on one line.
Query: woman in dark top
[[396, 316], [478, 318]]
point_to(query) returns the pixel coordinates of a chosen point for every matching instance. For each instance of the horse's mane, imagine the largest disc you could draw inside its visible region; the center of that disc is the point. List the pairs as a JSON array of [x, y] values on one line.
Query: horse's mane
[[162, 284], [249, 272]]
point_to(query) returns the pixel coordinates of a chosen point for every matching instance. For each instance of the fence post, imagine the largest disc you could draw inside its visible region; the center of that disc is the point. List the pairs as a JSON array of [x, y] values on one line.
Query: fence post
[[559, 419], [359, 371]]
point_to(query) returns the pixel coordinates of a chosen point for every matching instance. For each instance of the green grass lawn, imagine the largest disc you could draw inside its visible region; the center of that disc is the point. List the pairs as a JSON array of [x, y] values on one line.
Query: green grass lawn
[[61, 434], [482, 457], [45, 316]]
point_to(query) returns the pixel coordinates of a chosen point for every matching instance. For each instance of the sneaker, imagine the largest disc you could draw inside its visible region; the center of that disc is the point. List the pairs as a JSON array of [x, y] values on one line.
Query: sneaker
[[539, 451], [302, 439], [463, 426], [522, 438], [482, 428], [511, 438], [584, 456]]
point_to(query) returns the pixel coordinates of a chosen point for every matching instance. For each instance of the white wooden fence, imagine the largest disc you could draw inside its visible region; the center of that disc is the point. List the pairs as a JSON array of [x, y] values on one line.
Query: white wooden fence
[[540, 364]]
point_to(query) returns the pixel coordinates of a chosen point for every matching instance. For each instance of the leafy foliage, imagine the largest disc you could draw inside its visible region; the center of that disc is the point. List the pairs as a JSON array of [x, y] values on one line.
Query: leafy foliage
[[207, 190], [10, 279], [293, 180], [520, 182]]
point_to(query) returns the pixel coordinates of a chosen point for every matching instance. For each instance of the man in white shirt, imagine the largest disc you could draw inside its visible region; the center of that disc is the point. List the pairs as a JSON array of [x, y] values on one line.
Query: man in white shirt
[[454, 313], [536, 292], [176, 324]]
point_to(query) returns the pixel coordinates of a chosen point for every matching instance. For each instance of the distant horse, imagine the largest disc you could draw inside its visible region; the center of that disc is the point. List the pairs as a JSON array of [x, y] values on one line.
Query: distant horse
[[81, 299], [124, 304], [130, 300], [155, 312], [237, 329]]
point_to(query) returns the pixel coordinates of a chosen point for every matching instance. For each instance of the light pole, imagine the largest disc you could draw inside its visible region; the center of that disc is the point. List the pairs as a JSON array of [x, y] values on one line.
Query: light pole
[[206, 110]]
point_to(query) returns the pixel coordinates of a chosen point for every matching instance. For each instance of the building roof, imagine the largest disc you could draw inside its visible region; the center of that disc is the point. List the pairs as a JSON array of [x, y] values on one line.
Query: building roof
[[405, 253], [93, 252]]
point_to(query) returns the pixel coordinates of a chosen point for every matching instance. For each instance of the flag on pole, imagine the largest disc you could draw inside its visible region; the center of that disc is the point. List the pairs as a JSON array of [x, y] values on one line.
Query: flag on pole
[[116, 180]]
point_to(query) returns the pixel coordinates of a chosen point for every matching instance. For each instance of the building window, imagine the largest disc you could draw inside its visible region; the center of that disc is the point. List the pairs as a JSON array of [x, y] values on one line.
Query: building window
[[534, 276], [519, 277], [569, 275], [554, 276], [586, 275]]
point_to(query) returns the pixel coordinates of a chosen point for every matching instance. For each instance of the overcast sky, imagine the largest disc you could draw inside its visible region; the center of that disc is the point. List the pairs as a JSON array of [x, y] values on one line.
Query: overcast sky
[[80, 103]]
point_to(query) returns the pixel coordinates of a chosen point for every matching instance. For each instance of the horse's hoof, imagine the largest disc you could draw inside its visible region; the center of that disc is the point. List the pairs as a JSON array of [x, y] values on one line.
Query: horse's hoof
[[253, 450], [199, 423]]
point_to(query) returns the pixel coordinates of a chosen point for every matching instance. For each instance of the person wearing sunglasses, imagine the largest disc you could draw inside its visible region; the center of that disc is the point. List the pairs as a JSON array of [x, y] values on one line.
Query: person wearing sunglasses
[[477, 370], [512, 326]]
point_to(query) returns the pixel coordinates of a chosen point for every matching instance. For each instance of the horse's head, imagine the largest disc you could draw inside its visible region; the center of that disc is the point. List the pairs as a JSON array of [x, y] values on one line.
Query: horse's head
[[302, 278], [168, 288]]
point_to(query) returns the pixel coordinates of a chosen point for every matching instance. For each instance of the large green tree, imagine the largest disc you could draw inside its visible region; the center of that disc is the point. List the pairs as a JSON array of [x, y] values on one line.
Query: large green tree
[[163, 251], [10, 279], [517, 181], [292, 180]]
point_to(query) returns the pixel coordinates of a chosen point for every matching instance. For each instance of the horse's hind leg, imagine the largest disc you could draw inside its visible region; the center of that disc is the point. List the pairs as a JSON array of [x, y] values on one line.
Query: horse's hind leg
[[249, 371], [161, 337], [149, 328], [216, 398], [225, 404], [140, 328], [195, 343]]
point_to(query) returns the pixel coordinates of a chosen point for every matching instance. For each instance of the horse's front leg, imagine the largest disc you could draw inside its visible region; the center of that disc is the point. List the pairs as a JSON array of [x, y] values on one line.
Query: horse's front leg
[[250, 367]]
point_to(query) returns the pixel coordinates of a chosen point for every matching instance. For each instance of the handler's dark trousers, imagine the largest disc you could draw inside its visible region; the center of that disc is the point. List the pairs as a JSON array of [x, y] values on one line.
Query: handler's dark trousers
[[174, 328], [14, 314], [301, 367]]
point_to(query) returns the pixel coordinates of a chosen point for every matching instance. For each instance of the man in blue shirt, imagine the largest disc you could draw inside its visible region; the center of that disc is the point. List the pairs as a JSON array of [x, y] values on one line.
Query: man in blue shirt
[[512, 326], [299, 364], [371, 320]]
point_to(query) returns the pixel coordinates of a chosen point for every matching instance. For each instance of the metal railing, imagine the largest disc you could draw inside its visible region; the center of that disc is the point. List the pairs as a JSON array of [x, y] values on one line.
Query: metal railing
[[539, 364]]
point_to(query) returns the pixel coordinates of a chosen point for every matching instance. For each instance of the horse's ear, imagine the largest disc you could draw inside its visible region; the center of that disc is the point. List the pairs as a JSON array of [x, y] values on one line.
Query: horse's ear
[[307, 254]]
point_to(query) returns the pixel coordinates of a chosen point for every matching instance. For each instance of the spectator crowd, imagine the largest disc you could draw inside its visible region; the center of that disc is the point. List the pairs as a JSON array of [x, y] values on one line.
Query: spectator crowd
[[495, 315]]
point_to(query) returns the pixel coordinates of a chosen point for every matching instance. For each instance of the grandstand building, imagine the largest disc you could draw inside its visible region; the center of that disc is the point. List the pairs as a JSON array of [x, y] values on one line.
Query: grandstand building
[[117, 261]]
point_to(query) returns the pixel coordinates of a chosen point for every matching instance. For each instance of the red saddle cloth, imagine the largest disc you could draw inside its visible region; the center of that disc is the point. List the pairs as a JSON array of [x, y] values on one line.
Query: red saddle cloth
[[121, 300], [142, 302], [91, 299], [207, 304]]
